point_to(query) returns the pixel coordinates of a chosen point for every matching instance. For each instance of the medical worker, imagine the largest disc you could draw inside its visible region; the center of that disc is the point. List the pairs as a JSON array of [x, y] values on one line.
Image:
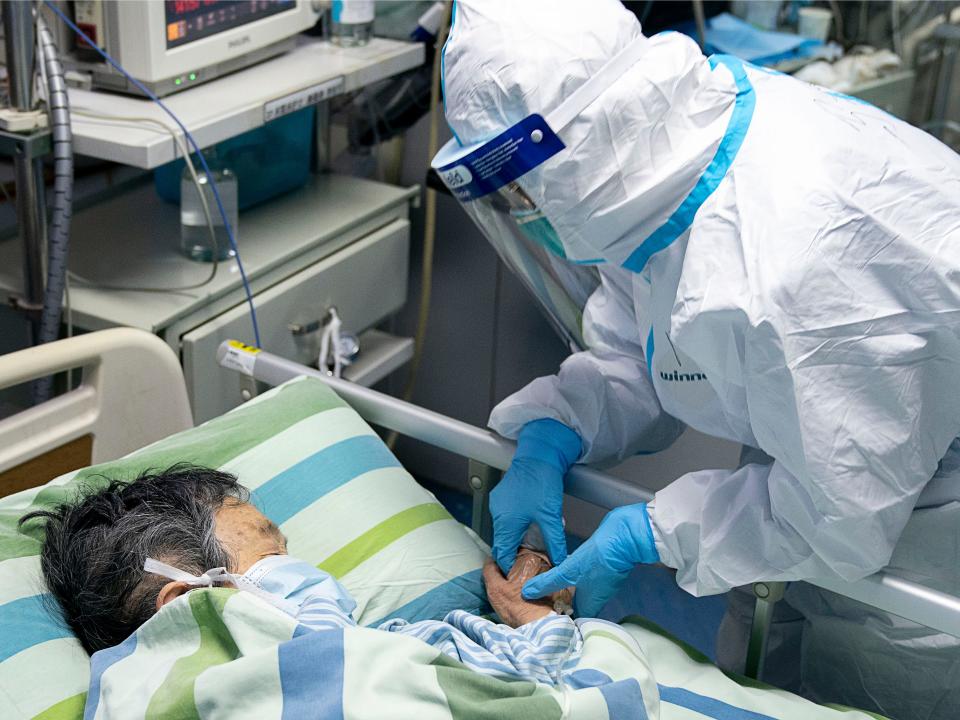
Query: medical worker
[[772, 263]]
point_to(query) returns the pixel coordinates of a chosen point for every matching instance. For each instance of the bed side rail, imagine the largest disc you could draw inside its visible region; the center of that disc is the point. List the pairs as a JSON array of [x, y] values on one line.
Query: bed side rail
[[131, 393], [883, 590], [433, 428]]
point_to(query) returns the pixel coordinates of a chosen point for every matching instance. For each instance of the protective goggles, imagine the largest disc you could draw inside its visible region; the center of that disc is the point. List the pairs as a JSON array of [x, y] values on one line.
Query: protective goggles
[[493, 180]]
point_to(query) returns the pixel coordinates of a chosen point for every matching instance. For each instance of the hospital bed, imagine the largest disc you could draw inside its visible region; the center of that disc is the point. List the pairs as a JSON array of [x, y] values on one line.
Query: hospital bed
[[489, 453], [132, 394]]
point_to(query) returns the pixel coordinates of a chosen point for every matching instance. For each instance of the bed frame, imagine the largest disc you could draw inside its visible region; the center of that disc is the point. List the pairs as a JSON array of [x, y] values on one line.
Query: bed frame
[[132, 393], [488, 454]]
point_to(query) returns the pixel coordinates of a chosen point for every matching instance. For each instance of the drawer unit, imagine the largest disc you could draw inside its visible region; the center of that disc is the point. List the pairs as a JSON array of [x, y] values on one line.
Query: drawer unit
[[365, 281]]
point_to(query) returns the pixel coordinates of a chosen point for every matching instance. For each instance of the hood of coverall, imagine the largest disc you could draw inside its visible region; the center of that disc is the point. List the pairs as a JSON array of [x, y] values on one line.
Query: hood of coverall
[[632, 155]]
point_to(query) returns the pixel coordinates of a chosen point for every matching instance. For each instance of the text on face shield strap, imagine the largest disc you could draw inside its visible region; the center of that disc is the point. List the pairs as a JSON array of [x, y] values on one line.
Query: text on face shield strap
[[510, 155]]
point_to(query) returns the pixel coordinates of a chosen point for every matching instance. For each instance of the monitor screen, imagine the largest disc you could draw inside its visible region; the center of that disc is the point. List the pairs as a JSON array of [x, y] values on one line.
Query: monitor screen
[[189, 20]]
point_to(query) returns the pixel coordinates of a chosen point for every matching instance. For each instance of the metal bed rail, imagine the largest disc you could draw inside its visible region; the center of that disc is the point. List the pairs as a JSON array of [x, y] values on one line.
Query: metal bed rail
[[489, 453]]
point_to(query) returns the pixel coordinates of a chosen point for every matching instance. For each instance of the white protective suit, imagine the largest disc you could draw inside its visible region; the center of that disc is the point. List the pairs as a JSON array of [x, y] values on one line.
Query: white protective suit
[[781, 268]]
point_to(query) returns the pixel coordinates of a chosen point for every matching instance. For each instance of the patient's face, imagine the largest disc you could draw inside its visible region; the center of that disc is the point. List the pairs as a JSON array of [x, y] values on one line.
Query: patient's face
[[247, 534]]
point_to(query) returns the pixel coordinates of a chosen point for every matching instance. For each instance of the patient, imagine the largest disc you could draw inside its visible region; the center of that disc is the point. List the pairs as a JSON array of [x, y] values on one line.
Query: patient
[[197, 527]]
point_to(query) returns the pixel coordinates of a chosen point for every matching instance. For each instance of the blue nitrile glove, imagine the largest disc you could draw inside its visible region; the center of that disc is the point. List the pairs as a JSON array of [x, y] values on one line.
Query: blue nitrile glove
[[532, 491], [599, 567]]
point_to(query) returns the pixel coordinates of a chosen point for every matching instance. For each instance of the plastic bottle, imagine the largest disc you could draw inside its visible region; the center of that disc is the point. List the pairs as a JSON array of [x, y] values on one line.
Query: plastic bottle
[[195, 240], [352, 22]]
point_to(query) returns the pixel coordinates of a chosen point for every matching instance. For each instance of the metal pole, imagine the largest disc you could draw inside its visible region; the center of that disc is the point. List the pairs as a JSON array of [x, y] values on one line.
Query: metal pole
[[439, 430], [18, 24], [31, 208], [41, 218], [323, 157], [701, 20], [768, 595], [483, 478], [949, 38]]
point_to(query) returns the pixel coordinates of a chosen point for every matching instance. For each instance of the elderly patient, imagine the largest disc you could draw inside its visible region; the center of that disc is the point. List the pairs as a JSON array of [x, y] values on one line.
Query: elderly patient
[[117, 555]]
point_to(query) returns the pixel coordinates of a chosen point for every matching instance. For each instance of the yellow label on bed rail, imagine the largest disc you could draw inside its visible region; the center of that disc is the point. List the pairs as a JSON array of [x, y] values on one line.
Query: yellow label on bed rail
[[240, 357], [241, 346]]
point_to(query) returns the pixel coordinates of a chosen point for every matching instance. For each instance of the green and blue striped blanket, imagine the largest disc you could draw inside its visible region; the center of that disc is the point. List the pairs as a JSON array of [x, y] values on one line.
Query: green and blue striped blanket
[[318, 470], [344, 503], [227, 654]]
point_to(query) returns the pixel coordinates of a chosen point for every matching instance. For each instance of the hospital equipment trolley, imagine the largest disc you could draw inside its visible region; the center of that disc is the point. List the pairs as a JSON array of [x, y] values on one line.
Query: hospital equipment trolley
[[338, 242]]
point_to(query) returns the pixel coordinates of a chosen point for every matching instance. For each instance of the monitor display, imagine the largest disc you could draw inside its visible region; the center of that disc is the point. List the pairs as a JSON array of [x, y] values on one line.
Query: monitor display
[[189, 20]]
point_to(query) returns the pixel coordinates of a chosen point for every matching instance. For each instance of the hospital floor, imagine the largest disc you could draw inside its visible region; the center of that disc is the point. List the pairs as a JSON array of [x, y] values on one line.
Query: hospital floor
[[650, 592]]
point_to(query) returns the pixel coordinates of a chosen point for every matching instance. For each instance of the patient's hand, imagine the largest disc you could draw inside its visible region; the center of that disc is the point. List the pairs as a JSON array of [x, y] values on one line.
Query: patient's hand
[[504, 592]]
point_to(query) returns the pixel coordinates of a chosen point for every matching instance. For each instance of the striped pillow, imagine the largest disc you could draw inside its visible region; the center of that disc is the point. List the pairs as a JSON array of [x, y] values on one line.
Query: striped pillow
[[317, 470]]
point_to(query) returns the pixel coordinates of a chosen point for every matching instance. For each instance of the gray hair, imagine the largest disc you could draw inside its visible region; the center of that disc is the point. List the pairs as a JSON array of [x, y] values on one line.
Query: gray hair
[[95, 546]]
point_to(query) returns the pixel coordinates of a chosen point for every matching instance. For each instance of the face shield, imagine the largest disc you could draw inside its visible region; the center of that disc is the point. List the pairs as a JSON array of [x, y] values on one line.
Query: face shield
[[495, 182]]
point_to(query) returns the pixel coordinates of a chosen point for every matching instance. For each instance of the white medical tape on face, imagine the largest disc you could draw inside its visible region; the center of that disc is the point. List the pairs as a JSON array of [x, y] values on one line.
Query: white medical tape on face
[[218, 575], [580, 98], [211, 576]]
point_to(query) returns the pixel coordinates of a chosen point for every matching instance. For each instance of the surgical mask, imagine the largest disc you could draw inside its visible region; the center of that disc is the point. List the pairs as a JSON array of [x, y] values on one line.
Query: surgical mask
[[284, 581], [538, 229]]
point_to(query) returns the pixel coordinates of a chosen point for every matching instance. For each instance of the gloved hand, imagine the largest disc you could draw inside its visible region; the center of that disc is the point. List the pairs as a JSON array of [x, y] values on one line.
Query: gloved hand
[[532, 491], [599, 567]]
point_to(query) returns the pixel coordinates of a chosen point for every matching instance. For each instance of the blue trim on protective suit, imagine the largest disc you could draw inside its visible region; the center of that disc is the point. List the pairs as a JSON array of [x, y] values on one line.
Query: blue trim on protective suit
[[650, 353], [443, 71], [683, 216]]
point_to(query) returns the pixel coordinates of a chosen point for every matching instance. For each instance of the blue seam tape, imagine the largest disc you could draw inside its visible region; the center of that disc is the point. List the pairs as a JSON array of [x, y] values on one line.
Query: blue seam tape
[[682, 218], [650, 352], [443, 71]]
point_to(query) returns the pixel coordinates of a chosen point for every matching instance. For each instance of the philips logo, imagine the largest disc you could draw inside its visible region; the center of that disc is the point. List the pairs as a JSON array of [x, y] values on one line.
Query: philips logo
[[239, 42], [682, 377]]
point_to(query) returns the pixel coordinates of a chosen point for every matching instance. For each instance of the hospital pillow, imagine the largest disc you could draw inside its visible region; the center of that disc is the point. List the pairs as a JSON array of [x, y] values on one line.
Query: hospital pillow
[[317, 470]]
